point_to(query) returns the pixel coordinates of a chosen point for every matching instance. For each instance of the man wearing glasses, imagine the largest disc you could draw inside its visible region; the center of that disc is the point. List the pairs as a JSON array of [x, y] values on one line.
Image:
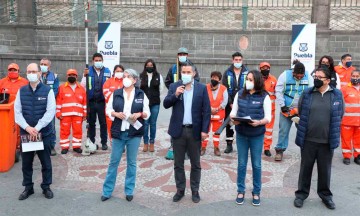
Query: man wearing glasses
[[34, 111]]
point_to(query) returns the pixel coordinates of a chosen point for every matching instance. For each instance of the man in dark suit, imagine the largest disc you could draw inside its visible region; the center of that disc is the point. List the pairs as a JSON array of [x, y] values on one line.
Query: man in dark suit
[[189, 125]]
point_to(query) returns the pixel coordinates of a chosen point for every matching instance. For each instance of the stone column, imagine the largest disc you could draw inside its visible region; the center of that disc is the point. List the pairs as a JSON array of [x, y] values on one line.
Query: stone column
[[172, 12], [320, 13], [25, 12]]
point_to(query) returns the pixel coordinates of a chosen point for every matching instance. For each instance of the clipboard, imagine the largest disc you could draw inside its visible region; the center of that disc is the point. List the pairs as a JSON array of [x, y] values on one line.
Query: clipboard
[[246, 119]]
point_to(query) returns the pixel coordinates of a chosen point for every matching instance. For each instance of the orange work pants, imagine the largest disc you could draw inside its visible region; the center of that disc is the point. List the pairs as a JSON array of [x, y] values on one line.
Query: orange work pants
[[68, 122], [350, 139], [214, 126], [269, 132]]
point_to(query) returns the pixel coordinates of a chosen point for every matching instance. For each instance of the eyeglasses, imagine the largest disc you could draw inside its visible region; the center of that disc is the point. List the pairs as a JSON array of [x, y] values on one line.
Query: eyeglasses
[[33, 72]]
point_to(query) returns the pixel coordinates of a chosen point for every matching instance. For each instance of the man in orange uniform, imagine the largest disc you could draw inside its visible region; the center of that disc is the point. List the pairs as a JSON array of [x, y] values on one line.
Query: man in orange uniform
[[71, 111], [270, 84], [13, 82], [218, 96], [344, 69], [110, 85], [350, 125]]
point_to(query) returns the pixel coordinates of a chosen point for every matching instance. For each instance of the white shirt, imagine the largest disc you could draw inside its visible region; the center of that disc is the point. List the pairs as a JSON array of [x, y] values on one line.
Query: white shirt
[[127, 108], [150, 75], [266, 107], [44, 121]]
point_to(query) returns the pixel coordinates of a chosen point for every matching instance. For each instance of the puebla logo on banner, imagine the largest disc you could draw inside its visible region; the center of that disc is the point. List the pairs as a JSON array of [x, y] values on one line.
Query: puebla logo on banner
[[304, 44], [109, 42]]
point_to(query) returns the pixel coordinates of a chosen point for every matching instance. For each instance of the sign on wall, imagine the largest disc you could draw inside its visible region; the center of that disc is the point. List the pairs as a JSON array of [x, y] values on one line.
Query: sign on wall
[[109, 43], [304, 44]]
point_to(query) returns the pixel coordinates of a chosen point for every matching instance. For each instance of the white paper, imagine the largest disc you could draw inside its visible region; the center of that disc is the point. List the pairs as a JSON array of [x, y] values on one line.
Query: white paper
[[295, 119], [137, 125], [32, 146]]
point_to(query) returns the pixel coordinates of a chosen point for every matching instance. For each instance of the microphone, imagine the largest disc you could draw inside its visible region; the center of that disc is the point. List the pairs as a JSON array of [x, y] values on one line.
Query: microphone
[[181, 95]]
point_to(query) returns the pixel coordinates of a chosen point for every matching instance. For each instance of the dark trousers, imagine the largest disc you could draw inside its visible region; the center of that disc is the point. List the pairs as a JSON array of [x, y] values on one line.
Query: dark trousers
[[97, 108], [229, 131], [181, 145], [53, 139], [322, 154], [46, 167]]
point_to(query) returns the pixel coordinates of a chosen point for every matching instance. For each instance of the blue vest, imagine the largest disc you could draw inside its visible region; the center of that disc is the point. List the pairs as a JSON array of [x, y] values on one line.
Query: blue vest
[[118, 106], [105, 73], [337, 111], [50, 80], [291, 87], [34, 106], [252, 105], [234, 87]]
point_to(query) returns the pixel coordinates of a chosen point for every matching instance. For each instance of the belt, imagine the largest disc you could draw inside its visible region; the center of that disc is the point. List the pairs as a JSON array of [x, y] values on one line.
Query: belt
[[187, 126]]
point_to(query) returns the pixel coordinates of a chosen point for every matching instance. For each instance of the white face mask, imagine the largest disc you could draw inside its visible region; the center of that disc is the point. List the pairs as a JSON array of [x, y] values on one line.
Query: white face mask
[[32, 77], [44, 68], [182, 59], [186, 78], [127, 82], [119, 75], [249, 85]]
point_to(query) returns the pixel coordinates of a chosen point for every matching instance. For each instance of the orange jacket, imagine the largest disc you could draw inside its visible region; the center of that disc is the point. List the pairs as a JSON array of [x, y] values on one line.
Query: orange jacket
[[12, 87], [69, 102], [110, 86], [352, 106], [344, 74], [270, 84], [215, 103]]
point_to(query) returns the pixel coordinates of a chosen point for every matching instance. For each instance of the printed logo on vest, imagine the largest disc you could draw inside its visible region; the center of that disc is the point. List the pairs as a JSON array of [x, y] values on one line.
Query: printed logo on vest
[[41, 98], [107, 74], [67, 95], [336, 103], [138, 100], [351, 95], [256, 102], [304, 82]]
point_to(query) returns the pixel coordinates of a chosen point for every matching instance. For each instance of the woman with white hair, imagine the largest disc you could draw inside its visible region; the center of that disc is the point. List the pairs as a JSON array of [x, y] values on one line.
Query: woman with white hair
[[128, 108]]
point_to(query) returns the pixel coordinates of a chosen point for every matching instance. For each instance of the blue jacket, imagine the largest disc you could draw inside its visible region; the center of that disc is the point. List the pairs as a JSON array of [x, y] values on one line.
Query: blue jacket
[[33, 106], [51, 80], [229, 81], [337, 112], [252, 105], [105, 73], [137, 106], [200, 110], [290, 88]]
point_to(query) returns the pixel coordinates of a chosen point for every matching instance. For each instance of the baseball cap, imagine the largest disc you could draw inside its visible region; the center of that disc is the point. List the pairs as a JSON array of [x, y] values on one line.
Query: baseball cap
[[263, 64], [71, 71], [183, 50], [13, 66]]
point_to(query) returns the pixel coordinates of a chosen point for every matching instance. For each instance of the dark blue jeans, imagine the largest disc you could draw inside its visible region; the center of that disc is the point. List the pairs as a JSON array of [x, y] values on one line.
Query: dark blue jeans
[[255, 144], [151, 123], [53, 138]]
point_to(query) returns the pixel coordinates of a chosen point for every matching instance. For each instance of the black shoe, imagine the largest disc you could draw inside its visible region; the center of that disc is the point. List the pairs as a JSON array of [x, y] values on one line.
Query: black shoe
[[357, 160], [129, 197], [48, 193], [178, 196], [78, 150], [267, 153], [329, 204], [104, 147], [53, 152], [195, 196], [26, 193], [346, 161], [228, 149], [64, 151], [298, 203], [103, 198]]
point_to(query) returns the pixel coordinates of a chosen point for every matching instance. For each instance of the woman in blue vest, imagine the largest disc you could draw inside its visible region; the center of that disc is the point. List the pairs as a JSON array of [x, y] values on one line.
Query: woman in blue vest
[[251, 101], [128, 108]]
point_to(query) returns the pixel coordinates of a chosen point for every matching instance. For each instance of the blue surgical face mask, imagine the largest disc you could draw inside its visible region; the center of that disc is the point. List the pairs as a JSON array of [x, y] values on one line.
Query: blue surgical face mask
[[186, 78], [182, 59], [98, 64], [238, 65], [44, 68], [348, 64]]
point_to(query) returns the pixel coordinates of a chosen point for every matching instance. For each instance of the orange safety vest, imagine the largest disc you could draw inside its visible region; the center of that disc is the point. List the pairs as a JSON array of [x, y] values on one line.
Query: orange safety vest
[[352, 106], [214, 103], [12, 87], [70, 102], [344, 74], [110, 86], [270, 84]]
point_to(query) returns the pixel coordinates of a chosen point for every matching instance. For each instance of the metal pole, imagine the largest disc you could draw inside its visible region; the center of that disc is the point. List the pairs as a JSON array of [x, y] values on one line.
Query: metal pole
[[245, 14], [100, 10], [12, 11], [87, 7]]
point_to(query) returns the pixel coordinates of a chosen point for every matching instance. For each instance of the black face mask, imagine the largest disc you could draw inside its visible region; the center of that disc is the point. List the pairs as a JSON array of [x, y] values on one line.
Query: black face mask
[[325, 66], [214, 82], [265, 73], [318, 83], [72, 79], [355, 81], [149, 69]]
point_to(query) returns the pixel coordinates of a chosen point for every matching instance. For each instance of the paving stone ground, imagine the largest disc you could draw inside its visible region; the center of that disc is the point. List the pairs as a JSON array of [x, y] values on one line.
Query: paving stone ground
[[77, 184]]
